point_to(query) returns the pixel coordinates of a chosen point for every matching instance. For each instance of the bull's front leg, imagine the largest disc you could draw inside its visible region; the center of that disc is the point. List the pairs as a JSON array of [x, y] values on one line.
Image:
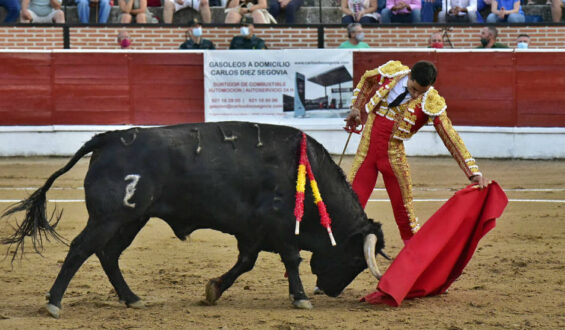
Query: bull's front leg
[[245, 262], [296, 290]]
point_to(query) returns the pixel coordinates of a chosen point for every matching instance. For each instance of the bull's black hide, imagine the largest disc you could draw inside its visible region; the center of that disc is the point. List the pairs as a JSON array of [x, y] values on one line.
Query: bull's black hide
[[236, 177]]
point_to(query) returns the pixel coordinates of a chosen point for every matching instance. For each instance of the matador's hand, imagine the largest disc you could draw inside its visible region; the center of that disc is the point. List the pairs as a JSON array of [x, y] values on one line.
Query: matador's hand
[[479, 180], [353, 120]]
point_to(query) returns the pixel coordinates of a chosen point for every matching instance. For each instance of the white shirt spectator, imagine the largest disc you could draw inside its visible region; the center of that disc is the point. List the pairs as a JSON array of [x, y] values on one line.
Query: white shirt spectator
[[470, 5]]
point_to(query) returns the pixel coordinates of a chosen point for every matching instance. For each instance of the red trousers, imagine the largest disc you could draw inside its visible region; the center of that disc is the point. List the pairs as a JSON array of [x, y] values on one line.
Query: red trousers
[[386, 155]]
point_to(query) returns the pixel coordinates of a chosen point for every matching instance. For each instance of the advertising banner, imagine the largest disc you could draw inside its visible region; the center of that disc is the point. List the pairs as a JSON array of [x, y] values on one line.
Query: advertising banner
[[278, 86]]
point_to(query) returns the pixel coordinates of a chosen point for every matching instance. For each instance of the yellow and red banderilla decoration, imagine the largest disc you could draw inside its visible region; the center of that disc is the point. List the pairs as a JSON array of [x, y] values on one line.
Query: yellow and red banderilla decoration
[[303, 169]]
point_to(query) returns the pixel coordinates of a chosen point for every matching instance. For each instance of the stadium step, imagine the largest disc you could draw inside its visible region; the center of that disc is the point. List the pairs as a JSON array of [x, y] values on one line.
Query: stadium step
[[305, 15]]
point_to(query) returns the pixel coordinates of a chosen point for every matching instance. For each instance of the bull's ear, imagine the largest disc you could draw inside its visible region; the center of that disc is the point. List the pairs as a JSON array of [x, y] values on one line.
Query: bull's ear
[[376, 226]]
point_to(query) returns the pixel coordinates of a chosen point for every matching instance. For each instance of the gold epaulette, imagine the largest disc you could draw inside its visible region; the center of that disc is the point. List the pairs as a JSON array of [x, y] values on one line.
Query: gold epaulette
[[393, 69], [432, 103]]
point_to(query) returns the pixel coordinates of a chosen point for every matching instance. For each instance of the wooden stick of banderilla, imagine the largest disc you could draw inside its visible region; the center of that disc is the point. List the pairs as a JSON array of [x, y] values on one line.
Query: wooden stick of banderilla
[[344, 148]]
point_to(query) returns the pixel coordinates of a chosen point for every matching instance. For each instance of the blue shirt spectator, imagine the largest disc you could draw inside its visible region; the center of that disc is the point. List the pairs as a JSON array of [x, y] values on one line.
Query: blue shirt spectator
[[12, 8], [429, 7], [506, 11]]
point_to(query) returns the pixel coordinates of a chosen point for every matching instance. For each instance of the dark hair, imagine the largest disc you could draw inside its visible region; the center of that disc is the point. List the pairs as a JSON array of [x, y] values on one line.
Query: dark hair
[[522, 35], [424, 73], [350, 28], [493, 31]]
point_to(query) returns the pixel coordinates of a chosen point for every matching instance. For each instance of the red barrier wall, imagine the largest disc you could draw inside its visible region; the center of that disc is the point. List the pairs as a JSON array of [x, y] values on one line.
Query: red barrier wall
[[491, 88], [481, 88], [101, 88]]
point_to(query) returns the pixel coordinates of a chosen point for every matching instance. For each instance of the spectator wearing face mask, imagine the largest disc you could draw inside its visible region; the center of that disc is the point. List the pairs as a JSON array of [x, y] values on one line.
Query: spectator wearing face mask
[[124, 40], [436, 40], [522, 41], [247, 38], [194, 38], [488, 38], [355, 37]]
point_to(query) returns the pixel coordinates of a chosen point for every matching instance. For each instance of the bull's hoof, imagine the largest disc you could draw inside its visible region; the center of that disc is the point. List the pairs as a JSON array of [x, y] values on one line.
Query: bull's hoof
[[212, 291], [318, 290], [302, 304], [136, 305], [53, 310]]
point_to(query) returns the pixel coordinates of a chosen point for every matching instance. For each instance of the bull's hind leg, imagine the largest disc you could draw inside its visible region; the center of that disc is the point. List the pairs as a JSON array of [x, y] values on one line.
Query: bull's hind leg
[[291, 260], [93, 237], [245, 261], [110, 255]]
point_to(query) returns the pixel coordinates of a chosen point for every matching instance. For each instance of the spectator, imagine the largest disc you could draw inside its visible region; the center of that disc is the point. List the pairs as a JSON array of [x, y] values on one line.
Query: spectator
[[488, 38], [459, 11], [42, 11], [12, 10], [522, 41], [83, 7], [137, 9], [170, 7], [506, 11], [194, 38], [557, 10], [359, 11], [247, 39], [436, 40], [355, 37], [290, 8], [238, 9], [429, 7], [401, 11], [123, 39], [483, 10]]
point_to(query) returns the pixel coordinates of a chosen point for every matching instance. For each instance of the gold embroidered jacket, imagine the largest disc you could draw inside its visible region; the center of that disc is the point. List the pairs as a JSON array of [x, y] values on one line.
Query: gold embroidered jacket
[[371, 94]]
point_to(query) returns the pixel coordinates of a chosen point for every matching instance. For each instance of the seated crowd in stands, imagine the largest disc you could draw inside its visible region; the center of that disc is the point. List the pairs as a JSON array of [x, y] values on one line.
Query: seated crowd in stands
[[488, 38], [268, 11], [248, 40]]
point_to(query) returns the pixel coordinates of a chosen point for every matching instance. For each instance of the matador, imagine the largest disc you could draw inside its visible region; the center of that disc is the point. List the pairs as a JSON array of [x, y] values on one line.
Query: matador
[[394, 102]]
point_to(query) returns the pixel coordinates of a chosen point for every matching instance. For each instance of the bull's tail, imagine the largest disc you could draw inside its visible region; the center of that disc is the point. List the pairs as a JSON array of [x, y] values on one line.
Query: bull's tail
[[36, 223]]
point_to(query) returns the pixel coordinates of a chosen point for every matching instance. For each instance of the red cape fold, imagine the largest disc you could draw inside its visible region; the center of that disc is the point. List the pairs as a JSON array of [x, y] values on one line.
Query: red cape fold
[[437, 254]]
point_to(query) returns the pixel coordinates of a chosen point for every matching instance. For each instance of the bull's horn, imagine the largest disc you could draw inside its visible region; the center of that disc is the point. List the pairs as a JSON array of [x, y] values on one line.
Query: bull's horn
[[369, 249]]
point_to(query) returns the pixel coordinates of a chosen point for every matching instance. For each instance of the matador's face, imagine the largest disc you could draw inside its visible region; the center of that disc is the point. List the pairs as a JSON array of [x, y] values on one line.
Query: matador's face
[[416, 89]]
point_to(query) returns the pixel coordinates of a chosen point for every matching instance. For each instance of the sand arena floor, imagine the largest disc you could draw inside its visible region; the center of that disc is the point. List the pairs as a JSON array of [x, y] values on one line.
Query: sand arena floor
[[515, 280]]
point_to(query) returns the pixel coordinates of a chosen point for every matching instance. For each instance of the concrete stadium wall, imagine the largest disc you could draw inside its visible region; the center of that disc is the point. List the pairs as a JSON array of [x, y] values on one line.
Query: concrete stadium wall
[[482, 142], [276, 37]]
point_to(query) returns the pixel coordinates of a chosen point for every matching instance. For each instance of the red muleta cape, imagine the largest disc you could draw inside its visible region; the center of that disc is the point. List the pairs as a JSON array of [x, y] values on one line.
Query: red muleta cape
[[437, 254]]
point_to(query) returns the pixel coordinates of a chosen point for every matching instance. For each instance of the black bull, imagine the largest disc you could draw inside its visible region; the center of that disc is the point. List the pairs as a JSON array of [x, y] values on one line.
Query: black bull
[[238, 178]]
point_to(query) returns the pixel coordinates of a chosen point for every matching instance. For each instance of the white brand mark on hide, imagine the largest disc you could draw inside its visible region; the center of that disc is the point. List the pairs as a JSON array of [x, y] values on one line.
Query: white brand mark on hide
[[130, 188]]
